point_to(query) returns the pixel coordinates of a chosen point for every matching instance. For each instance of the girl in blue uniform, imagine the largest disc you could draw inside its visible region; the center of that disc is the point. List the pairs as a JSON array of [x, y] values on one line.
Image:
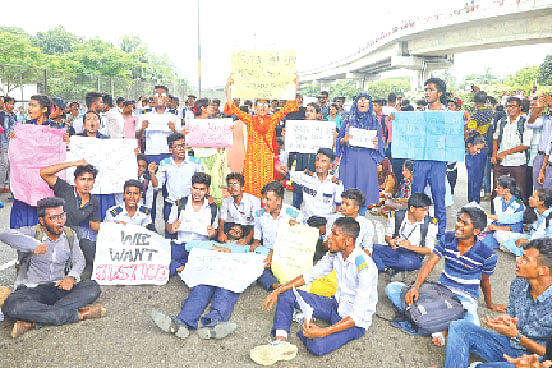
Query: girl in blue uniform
[[508, 212], [474, 144]]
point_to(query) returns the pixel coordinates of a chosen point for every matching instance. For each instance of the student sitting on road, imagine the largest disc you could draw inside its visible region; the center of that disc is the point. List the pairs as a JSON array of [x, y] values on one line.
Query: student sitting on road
[[191, 218], [468, 265], [410, 235], [45, 294], [526, 327], [349, 314], [131, 212]]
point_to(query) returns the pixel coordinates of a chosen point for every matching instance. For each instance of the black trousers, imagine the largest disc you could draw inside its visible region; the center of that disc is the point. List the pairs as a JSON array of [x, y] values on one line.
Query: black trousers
[[48, 305]]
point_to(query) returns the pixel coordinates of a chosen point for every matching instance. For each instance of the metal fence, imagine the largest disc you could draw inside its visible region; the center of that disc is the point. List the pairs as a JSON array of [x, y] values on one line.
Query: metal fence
[[21, 82]]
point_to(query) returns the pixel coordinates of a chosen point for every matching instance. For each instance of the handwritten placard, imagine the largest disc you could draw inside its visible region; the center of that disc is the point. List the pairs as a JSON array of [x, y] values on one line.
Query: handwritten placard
[[130, 255], [209, 133], [307, 136], [232, 271], [263, 74], [114, 159], [293, 251], [160, 122], [429, 135], [362, 137], [32, 148]]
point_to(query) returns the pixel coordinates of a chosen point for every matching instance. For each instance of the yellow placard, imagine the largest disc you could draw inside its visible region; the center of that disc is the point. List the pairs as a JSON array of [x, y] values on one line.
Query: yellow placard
[[263, 74]]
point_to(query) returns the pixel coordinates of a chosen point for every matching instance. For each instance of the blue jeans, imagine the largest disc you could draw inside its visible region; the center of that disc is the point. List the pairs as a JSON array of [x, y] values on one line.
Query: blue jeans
[[325, 309], [393, 291], [179, 257], [487, 188], [475, 165], [464, 337], [222, 306], [433, 173]]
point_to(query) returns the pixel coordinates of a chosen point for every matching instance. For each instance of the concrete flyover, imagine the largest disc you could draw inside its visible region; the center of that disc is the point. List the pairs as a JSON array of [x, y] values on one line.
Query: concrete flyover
[[430, 43]]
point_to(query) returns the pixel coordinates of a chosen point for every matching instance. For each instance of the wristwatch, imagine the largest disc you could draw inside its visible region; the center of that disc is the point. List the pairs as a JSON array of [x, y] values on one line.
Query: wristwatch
[[517, 338]]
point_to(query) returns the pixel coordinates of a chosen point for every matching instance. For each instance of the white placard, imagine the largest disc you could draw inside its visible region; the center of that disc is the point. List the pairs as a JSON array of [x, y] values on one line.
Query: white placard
[[362, 137], [130, 255], [160, 122], [307, 136], [215, 133], [294, 249], [232, 271], [114, 159]]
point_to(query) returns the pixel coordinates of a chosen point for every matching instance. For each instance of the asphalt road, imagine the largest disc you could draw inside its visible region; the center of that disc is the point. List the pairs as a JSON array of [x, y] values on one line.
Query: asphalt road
[[128, 338]]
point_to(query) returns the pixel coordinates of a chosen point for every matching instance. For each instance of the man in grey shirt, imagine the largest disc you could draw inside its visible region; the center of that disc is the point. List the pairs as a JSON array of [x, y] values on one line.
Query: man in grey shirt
[[44, 294]]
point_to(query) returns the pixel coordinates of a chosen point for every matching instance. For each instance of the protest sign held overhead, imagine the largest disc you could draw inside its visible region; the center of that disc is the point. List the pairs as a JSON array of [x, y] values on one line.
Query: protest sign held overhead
[[264, 74], [307, 136], [130, 255]]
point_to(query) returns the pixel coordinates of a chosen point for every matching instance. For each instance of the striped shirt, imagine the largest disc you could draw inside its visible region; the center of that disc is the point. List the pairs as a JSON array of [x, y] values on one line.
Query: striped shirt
[[462, 273]]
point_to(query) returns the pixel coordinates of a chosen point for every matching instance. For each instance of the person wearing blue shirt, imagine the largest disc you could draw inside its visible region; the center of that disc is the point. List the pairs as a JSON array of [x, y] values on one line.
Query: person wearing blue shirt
[[508, 213], [525, 328], [8, 120], [468, 265]]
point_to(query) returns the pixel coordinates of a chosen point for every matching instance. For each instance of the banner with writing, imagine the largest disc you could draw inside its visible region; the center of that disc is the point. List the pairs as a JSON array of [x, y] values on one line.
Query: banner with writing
[[114, 159], [293, 251], [130, 255], [232, 271], [263, 74], [32, 148], [307, 136], [209, 133], [429, 135]]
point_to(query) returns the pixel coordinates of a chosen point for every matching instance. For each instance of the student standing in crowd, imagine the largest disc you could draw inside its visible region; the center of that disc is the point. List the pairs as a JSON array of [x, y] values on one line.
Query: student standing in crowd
[[359, 166], [261, 140], [8, 124]]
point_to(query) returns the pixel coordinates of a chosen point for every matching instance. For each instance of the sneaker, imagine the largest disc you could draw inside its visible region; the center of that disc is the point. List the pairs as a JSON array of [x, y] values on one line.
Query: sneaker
[[218, 331], [274, 351], [169, 324]]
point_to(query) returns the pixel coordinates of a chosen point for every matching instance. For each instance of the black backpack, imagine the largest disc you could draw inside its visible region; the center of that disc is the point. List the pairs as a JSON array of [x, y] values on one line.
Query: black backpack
[[520, 127], [399, 218], [434, 310], [181, 203]]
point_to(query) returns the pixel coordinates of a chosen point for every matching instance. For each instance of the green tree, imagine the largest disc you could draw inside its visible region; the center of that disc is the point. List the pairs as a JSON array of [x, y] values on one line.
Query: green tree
[[310, 89], [56, 41], [545, 71], [383, 87], [524, 78]]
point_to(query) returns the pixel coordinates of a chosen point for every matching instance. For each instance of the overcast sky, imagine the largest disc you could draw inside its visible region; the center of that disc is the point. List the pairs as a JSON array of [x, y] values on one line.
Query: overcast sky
[[320, 31]]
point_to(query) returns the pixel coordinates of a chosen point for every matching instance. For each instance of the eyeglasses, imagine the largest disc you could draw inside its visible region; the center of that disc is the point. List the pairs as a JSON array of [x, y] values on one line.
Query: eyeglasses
[[235, 185], [263, 104], [56, 218], [363, 100], [160, 94]]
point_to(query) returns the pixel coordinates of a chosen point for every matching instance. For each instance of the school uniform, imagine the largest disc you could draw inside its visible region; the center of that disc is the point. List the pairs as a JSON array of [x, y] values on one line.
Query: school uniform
[[198, 220], [265, 230], [481, 120], [356, 297], [119, 214], [541, 228], [320, 197], [243, 213], [403, 259], [178, 182], [365, 238], [509, 214], [542, 127], [147, 194]]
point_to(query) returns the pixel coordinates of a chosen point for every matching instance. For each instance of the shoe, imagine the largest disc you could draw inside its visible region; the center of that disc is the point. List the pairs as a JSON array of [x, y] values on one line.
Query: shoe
[[20, 327], [274, 351], [94, 311], [218, 331], [169, 324]]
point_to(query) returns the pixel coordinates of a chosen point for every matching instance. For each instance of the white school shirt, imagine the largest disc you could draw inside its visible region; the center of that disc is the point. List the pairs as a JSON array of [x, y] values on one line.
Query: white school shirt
[[119, 200], [201, 220], [412, 231], [357, 284], [319, 197], [177, 178], [156, 141], [511, 139], [244, 213], [117, 213], [266, 226], [365, 238]]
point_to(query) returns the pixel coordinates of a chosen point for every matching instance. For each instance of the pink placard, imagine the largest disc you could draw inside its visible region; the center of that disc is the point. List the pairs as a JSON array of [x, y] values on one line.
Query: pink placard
[[209, 133], [32, 148]]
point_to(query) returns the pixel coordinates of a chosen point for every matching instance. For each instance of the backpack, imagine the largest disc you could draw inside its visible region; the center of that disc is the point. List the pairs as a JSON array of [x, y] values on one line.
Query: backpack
[[181, 203], [23, 258], [520, 127], [399, 218], [434, 310]]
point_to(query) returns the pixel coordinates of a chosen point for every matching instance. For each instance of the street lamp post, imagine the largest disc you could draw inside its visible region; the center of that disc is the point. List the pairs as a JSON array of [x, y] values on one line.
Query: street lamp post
[[198, 54]]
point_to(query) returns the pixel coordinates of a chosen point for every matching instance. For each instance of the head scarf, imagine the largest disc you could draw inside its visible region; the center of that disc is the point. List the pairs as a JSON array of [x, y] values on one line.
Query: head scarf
[[362, 120]]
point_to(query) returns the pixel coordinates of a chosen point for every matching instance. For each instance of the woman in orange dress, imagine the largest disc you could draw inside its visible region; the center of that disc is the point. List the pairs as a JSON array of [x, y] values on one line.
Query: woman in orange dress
[[259, 160]]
